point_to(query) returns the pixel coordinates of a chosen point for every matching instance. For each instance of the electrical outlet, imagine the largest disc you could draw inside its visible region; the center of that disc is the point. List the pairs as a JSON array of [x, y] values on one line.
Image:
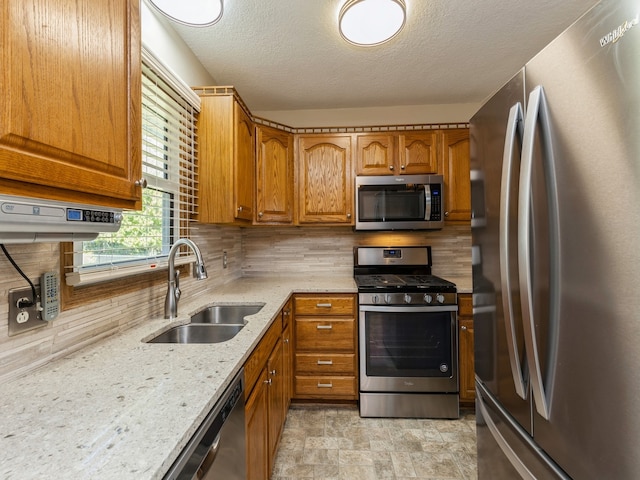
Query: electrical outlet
[[25, 318], [224, 259]]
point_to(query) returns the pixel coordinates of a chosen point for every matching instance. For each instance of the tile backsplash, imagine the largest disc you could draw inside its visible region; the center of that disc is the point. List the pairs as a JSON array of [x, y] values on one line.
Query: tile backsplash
[[251, 252], [319, 250]]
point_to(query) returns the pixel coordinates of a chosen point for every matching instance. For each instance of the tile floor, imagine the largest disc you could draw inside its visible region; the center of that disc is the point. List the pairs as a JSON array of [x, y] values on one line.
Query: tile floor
[[334, 443]]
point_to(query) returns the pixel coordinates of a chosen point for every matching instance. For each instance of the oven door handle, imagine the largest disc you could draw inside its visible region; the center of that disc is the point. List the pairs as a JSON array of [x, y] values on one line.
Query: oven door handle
[[406, 309]]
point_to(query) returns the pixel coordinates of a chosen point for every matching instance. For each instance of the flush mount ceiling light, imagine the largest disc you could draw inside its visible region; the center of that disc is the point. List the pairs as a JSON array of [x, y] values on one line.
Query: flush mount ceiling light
[[371, 22], [195, 13]]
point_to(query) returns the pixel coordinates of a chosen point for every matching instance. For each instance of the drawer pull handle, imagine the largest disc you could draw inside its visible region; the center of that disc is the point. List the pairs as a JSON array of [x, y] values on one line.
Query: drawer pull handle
[[324, 327], [323, 305], [325, 385], [325, 362]]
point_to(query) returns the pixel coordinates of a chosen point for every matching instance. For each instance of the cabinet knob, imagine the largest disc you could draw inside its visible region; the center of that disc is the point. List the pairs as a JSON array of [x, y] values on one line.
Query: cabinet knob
[[268, 382], [141, 183], [401, 167], [273, 372], [446, 214], [260, 214], [240, 208], [463, 327], [348, 215], [391, 167]]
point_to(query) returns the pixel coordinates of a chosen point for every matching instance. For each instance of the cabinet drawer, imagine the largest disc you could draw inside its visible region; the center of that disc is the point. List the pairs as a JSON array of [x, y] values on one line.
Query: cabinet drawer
[[325, 305], [325, 335], [325, 386], [330, 364]]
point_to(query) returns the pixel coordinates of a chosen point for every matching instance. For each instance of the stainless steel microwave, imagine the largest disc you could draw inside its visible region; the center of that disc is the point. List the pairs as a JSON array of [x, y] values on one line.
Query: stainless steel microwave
[[402, 202]]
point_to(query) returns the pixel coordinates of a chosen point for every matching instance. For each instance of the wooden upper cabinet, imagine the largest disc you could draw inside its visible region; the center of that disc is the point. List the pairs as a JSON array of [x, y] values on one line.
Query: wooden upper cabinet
[[418, 152], [456, 174], [227, 160], [325, 180], [245, 164], [376, 154], [397, 153], [274, 176], [70, 126]]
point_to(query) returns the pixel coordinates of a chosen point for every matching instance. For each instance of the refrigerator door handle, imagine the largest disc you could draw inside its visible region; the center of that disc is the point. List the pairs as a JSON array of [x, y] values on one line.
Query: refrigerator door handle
[[537, 110], [514, 127]]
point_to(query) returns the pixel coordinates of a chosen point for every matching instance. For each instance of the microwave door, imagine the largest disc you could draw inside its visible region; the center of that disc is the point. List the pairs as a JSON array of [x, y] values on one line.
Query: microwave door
[[427, 202], [379, 204]]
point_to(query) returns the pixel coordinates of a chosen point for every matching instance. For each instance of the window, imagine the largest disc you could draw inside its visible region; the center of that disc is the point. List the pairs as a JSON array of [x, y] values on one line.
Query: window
[[169, 148]]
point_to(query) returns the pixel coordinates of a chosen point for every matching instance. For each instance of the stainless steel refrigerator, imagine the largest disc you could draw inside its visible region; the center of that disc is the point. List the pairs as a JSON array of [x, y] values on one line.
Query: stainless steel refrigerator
[[556, 234]]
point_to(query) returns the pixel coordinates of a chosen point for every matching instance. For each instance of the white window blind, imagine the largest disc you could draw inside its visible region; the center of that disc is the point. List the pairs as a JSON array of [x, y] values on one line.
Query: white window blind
[[169, 151]]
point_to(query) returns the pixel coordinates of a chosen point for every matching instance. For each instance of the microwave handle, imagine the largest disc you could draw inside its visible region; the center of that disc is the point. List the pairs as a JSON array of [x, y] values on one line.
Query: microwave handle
[[427, 202]]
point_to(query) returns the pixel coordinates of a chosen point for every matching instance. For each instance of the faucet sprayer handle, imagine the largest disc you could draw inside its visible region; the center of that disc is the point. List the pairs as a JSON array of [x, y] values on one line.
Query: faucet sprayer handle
[[199, 271]]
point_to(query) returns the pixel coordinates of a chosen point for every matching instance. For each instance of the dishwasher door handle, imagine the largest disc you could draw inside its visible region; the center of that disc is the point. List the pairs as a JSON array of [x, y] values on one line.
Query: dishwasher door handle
[[210, 457]]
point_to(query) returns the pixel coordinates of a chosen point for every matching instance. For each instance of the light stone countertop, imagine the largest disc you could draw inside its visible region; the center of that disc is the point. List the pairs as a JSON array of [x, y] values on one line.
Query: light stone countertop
[[124, 409]]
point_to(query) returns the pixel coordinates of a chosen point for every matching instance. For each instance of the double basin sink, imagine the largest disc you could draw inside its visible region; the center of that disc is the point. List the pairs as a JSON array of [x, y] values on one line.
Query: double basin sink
[[214, 324]]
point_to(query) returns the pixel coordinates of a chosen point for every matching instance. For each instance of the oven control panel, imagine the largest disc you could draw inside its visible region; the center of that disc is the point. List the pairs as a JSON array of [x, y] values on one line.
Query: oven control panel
[[413, 298]]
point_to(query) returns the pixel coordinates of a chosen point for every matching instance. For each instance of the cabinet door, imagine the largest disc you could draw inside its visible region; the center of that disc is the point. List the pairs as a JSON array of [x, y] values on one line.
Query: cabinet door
[[287, 368], [418, 152], [256, 422], [244, 171], [456, 173], [276, 403], [274, 176], [70, 103], [325, 179], [466, 345], [375, 154]]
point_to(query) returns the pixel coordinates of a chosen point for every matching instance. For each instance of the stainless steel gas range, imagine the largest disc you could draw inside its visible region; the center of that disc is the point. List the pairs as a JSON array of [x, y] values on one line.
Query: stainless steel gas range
[[407, 335]]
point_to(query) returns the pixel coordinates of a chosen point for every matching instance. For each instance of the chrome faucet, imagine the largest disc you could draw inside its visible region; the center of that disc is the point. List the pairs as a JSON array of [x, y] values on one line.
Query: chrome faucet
[[173, 291]]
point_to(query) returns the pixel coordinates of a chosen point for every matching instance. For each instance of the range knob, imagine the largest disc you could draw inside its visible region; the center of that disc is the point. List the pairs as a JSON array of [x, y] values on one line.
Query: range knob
[[440, 298], [407, 298], [428, 298], [387, 299], [375, 299]]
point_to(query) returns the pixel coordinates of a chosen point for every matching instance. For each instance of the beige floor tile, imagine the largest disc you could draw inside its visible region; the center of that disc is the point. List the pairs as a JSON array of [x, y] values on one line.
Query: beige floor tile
[[334, 443]]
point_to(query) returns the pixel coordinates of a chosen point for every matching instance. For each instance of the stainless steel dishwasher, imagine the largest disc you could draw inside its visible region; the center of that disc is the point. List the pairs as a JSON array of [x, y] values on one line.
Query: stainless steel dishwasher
[[217, 450]]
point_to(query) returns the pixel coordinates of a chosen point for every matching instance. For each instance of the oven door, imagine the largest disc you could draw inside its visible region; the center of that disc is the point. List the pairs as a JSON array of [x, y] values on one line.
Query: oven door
[[408, 349]]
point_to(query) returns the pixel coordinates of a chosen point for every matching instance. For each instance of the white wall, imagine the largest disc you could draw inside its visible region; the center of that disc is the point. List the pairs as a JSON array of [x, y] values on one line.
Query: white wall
[[351, 117], [166, 45]]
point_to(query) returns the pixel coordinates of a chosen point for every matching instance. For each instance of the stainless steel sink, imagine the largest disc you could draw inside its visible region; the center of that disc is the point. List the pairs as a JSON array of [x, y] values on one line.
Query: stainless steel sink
[[226, 314], [214, 324], [198, 333]]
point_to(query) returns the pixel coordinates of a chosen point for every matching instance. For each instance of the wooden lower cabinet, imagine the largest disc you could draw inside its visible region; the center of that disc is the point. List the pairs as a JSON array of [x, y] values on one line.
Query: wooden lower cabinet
[[257, 428], [325, 347], [276, 410], [267, 395], [466, 349], [287, 348]]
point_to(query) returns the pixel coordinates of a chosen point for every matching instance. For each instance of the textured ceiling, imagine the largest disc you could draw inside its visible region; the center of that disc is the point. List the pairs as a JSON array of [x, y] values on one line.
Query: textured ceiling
[[288, 54]]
